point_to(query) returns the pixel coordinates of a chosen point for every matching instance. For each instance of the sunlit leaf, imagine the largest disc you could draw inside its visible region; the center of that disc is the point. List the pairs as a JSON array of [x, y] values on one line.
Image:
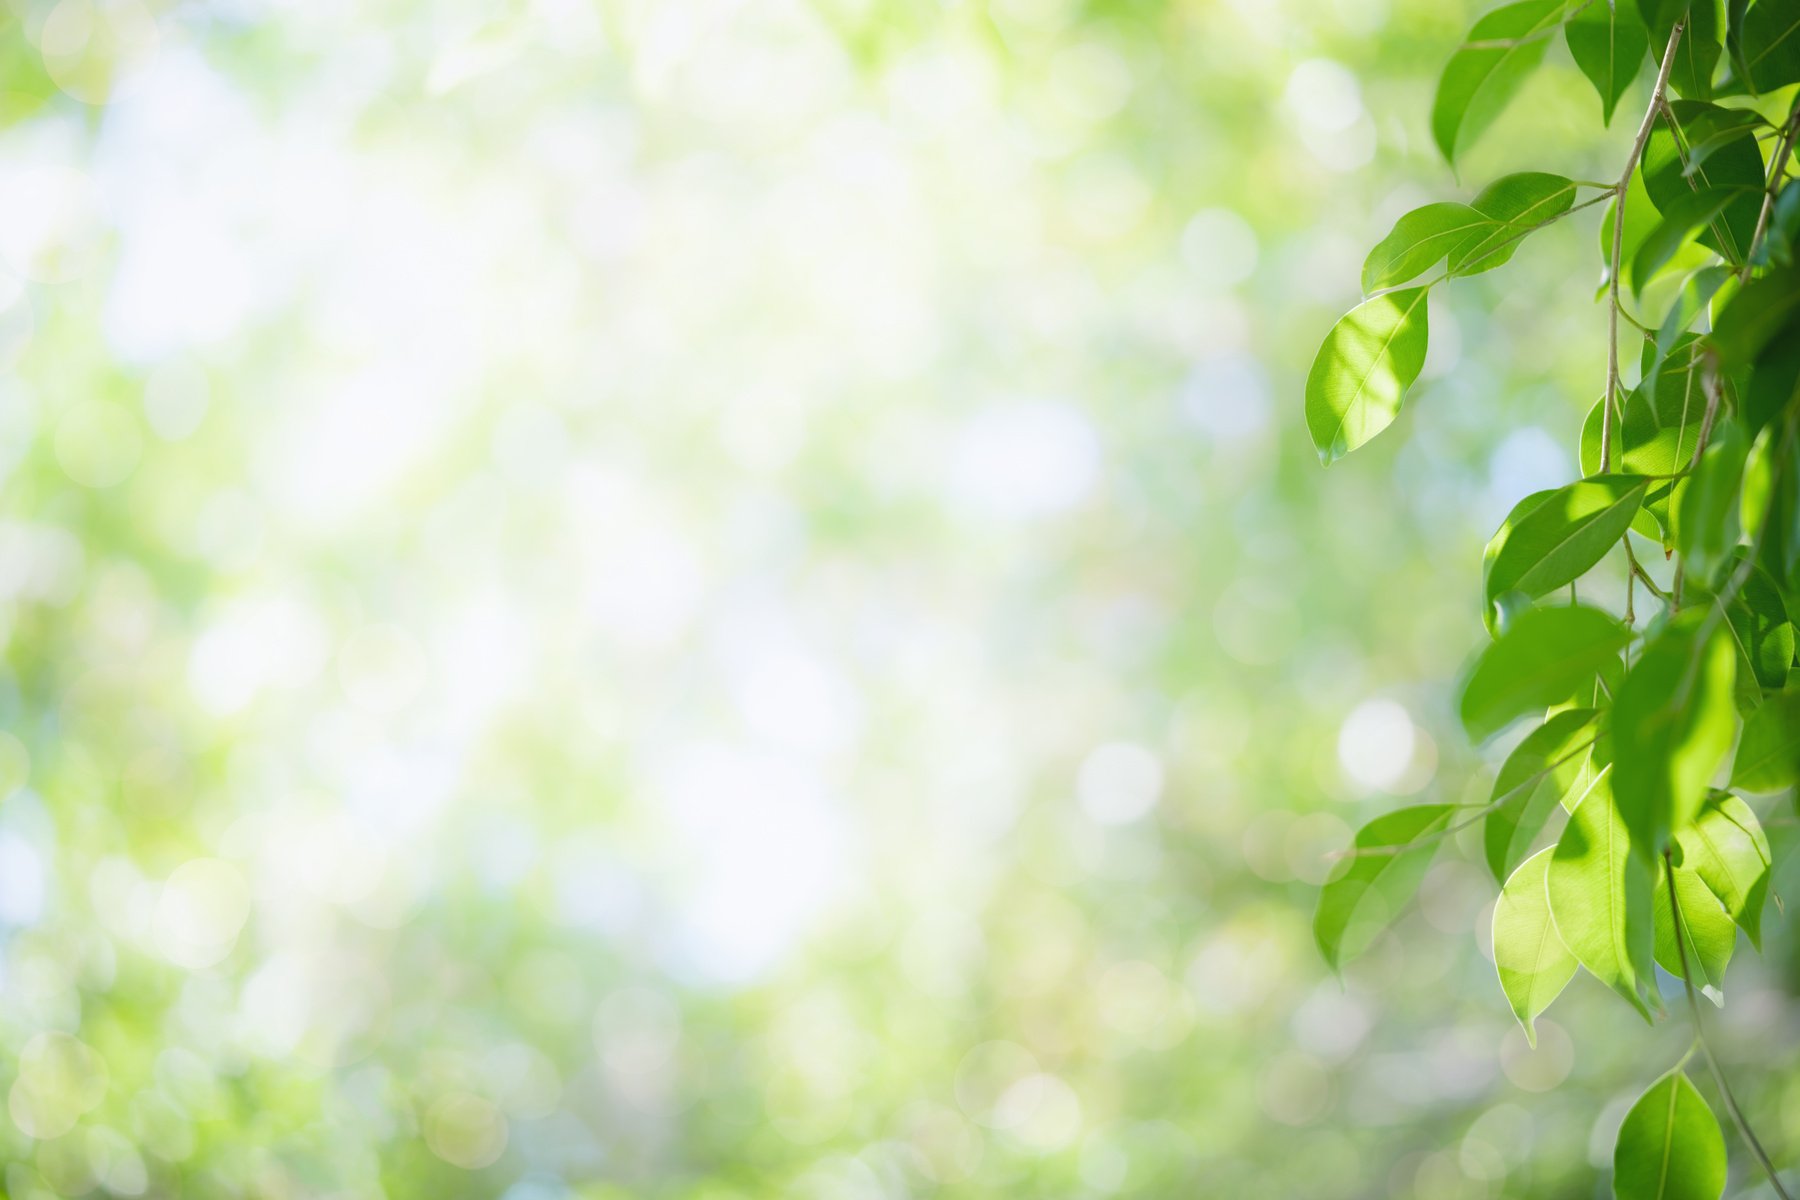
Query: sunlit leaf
[[1560, 537], [1696, 210], [1673, 724], [1600, 896], [1726, 847], [1708, 935], [1533, 964], [1515, 206], [1482, 77], [1707, 528], [1539, 772], [1420, 240], [1670, 1146], [1768, 756], [1541, 659], [1369, 359], [1369, 887]]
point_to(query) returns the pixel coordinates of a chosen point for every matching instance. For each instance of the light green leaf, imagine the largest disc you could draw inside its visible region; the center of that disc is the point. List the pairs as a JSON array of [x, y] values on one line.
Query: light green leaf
[[1368, 888], [1697, 54], [1768, 756], [1609, 43], [1501, 51], [1516, 205], [1551, 540], [1600, 896], [1369, 359], [1673, 723], [1536, 775], [1706, 526], [1541, 659], [1669, 1147], [1708, 935], [1420, 239], [1726, 847], [1533, 963]]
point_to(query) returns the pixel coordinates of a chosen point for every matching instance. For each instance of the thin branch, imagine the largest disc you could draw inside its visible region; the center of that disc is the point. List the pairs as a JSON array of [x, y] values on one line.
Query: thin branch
[[1718, 1074], [1618, 244], [1777, 168]]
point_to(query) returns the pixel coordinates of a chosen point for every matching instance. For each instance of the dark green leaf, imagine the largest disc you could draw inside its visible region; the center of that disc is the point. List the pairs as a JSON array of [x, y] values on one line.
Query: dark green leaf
[[1539, 772], [1542, 658], [1734, 162], [1697, 55], [1669, 1147], [1673, 723], [1707, 528], [1533, 964], [1762, 309], [1600, 897], [1771, 43], [1680, 219], [1367, 890], [1560, 536], [1369, 359], [1502, 49], [1418, 241], [1609, 43]]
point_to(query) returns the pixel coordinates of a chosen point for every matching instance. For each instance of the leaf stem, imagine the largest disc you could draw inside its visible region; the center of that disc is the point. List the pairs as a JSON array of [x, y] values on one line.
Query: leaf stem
[[1618, 243], [1712, 1061]]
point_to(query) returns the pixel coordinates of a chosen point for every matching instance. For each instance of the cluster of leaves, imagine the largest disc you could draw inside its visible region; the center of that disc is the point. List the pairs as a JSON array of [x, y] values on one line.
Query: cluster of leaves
[[1646, 739]]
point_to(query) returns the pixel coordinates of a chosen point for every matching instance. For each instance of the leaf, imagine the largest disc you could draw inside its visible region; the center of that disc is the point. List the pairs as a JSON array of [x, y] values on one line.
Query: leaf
[[1680, 219], [1502, 49], [1536, 775], [1697, 55], [1540, 659], [1735, 161], [1669, 1147], [1419, 240], [1673, 723], [1560, 537], [1768, 757], [1367, 891], [1758, 620], [1771, 44], [1725, 128], [1773, 385], [1763, 308], [1533, 964], [1609, 43], [1600, 896], [1369, 359], [1689, 303], [1516, 205], [1640, 216], [1726, 847], [1708, 936], [1706, 526]]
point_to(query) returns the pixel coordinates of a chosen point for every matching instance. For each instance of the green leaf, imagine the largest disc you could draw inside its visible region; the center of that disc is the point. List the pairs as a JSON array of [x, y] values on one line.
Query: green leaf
[[1541, 659], [1768, 757], [1773, 385], [1708, 935], [1515, 205], [1758, 621], [1680, 219], [1533, 964], [1669, 1147], [1706, 526], [1763, 308], [1727, 849], [1771, 44], [1697, 55], [1673, 723], [1418, 241], [1735, 161], [1553, 539], [1369, 359], [1367, 890], [1482, 77], [1689, 303], [1609, 43], [1600, 896], [1536, 775], [1640, 216], [1725, 128]]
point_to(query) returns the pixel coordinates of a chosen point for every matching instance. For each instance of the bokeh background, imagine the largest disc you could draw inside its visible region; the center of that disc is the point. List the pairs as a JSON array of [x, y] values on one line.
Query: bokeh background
[[709, 599]]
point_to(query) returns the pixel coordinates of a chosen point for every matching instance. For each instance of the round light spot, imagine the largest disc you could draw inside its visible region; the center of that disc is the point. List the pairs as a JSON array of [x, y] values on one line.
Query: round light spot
[[1541, 1069], [59, 1079], [1219, 247], [93, 48], [176, 397], [1119, 783], [465, 1130], [200, 912], [98, 444], [985, 1079], [1375, 744]]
